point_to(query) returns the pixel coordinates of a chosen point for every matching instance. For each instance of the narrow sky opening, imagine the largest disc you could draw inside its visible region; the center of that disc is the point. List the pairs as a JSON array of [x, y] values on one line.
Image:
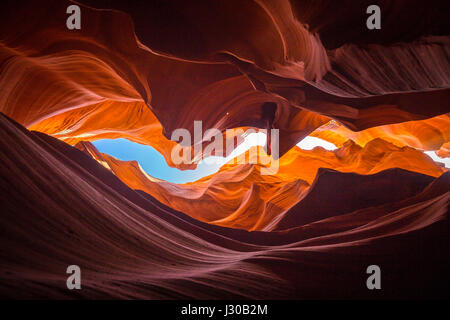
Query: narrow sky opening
[[155, 165], [445, 161]]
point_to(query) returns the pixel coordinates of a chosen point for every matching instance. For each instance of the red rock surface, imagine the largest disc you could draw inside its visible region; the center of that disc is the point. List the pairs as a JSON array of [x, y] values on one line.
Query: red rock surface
[[238, 196], [68, 209], [140, 71], [360, 86]]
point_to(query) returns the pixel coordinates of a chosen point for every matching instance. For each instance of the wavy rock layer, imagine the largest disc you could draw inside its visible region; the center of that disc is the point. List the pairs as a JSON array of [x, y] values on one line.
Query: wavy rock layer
[[131, 246], [430, 134], [140, 71], [239, 196], [225, 79]]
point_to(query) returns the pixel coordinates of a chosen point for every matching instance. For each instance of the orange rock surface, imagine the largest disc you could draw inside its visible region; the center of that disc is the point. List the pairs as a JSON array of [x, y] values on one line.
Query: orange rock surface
[[142, 69], [224, 82], [67, 207], [239, 196], [88, 85], [429, 134]]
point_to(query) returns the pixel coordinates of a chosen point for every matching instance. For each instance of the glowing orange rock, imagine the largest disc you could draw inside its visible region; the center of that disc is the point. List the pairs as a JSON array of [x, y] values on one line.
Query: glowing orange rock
[[239, 196], [50, 70], [429, 134]]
